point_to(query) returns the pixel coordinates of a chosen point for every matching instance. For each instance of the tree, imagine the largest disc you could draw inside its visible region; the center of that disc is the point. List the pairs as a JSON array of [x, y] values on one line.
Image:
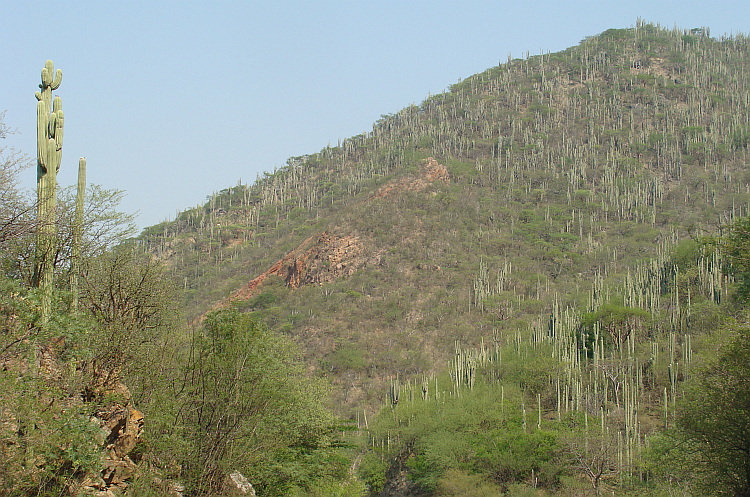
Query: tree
[[250, 408], [593, 453], [132, 297], [16, 212], [735, 247], [103, 226], [618, 321], [713, 421]]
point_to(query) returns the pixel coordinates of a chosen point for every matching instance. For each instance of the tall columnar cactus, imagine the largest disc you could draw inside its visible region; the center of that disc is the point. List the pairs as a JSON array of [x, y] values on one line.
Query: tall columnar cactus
[[75, 260], [49, 152]]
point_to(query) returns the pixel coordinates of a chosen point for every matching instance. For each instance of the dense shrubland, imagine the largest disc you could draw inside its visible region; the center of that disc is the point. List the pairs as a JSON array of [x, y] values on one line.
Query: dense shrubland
[[225, 396], [639, 399]]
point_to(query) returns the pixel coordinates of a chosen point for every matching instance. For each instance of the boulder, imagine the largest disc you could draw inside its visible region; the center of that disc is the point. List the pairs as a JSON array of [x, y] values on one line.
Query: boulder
[[237, 485]]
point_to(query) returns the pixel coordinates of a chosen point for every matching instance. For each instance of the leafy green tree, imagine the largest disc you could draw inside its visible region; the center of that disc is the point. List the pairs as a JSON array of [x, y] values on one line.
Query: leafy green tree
[[372, 471], [736, 248], [617, 321], [250, 408], [669, 463], [686, 254], [482, 431], [16, 212], [515, 455], [457, 483], [133, 299], [713, 420]]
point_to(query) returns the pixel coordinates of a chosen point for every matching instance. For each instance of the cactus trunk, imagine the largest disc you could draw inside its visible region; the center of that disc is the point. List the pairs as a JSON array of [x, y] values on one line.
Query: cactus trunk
[[49, 153], [75, 261]]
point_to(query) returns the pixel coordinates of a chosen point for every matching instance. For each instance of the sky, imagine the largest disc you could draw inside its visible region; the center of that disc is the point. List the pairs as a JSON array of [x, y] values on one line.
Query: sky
[[171, 101]]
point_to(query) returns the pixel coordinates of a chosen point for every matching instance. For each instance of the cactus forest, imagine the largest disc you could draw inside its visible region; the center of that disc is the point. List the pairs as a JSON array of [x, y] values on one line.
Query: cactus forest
[[533, 283]]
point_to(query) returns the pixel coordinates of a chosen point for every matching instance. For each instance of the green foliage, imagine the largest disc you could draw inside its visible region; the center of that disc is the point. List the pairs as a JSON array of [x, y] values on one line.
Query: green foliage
[[250, 408], [372, 472], [670, 463], [47, 441], [346, 357], [482, 432], [128, 293], [618, 321], [519, 456], [51, 448], [457, 483], [713, 420], [264, 300], [740, 138], [736, 247], [331, 488], [530, 371], [686, 254]]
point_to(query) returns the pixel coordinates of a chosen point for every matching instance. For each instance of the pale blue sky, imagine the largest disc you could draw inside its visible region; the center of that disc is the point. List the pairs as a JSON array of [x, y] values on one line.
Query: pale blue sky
[[171, 101]]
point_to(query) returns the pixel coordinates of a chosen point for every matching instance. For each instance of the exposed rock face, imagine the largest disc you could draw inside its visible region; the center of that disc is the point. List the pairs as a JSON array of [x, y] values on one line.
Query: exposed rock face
[[125, 425], [318, 260], [326, 257], [121, 426], [431, 172]]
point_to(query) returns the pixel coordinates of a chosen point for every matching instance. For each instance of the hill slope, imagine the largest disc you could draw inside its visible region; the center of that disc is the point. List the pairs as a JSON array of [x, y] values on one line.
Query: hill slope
[[537, 185]]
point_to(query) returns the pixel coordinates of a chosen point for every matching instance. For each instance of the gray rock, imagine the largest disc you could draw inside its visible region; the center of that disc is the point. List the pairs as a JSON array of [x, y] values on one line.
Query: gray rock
[[237, 485]]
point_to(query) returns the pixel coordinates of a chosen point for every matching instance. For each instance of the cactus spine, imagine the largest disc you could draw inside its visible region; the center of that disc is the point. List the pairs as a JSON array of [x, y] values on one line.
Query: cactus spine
[[75, 260], [50, 121]]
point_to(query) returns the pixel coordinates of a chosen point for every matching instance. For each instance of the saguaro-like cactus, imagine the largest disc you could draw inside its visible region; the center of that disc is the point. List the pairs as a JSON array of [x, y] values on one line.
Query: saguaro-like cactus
[[75, 260], [49, 152]]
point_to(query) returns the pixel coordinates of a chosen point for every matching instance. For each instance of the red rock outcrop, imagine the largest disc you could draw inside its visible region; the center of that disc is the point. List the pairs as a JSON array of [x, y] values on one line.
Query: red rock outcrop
[[317, 260], [431, 172]]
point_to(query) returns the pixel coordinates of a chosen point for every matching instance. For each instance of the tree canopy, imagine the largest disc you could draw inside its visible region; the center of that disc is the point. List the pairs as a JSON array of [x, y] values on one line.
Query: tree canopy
[[713, 420]]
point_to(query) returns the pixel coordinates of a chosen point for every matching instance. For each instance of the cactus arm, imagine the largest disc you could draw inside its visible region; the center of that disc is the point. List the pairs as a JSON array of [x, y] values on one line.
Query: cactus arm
[[57, 104], [46, 77], [57, 132], [52, 124], [48, 83], [58, 79]]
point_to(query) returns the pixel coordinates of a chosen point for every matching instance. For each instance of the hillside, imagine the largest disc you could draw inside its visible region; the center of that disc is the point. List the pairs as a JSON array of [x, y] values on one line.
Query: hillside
[[554, 208], [477, 209]]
